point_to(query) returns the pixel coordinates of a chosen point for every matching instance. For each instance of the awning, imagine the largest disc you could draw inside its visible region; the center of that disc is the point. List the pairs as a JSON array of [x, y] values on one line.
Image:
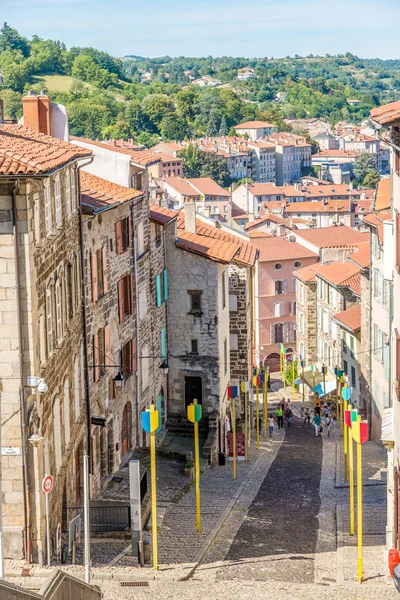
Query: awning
[[318, 380], [387, 432], [330, 386]]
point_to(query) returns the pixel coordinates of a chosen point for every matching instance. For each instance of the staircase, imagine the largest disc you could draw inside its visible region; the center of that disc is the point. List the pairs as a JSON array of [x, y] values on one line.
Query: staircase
[[180, 426]]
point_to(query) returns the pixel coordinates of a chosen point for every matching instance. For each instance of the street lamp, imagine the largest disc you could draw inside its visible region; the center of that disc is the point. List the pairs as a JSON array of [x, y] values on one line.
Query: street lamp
[[164, 368], [119, 380]]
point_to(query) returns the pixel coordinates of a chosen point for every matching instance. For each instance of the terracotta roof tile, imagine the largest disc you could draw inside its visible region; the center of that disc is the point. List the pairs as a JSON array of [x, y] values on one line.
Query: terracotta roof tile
[[100, 193], [254, 125], [326, 237], [277, 248], [362, 255], [141, 157], [269, 189], [386, 114], [208, 187], [350, 319], [264, 218], [382, 196], [316, 206], [218, 241], [162, 215], [305, 274], [338, 153], [217, 250], [24, 151], [339, 273], [181, 186], [377, 221]]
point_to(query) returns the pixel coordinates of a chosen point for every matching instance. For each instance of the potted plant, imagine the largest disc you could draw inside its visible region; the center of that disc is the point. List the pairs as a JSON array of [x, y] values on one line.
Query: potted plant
[[188, 469]]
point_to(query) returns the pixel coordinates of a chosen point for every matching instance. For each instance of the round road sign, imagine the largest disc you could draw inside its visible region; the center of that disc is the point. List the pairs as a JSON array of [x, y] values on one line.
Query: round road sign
[[47, 484]]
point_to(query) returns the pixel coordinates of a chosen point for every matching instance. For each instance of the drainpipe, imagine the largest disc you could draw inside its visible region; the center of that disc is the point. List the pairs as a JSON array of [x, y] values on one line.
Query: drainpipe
[[27, 506], [138, 359], [84, 324]]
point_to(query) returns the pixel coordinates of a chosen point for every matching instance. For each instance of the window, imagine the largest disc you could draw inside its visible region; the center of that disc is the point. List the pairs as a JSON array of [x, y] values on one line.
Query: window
[[345, 367], [278, 309], [297, 264], [67, 425], [99, 274], [278, 267], [223, 290], [126, 297], [140, 238], [158, 235], [301, 321], [126, 359], [278, 288], [145, 366], [74, 202], [386, 357], [195, 301], [344, 341], [49, 319], [122, 235], [59, 311], [47, 207], [353, 376], [58, 203], [70, 303], [225, 356], [36, 212], [68, 191], [42, 341], [234, 342], [293, 307], [142, 302], [99, 352], [278, 333], [233, 302], [294, 285], [57, 432], [77, 389], [194, 347]]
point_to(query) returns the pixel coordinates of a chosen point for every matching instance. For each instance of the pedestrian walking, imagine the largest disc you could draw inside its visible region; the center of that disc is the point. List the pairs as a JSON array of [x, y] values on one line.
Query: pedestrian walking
[[279, 416], [271, 426], [307, 417], [317, 424], [289, 416], [328, 425]]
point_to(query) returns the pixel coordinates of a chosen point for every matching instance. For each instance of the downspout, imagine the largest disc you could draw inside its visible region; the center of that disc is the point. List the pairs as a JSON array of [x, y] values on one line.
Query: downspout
[[84, 324], [138, 359], [166, 397], [27, 506], [370, 341]]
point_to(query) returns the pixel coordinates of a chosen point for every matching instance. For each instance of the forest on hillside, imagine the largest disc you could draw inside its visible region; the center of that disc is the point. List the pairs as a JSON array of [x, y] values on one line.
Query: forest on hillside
[[108, 97]]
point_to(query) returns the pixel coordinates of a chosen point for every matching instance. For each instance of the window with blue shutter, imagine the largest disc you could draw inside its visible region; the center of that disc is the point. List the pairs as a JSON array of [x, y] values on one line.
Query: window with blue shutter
[[158, 291], [163, 342], [165, 277]]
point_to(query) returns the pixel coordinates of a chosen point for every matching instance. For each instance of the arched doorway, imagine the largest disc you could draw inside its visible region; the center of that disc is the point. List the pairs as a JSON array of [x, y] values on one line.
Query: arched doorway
[[273, 361], [126, 430]]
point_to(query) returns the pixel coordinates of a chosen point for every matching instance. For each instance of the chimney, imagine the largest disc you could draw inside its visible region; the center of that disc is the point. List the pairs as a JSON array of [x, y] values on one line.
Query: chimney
[[36, 112], [190, 216]]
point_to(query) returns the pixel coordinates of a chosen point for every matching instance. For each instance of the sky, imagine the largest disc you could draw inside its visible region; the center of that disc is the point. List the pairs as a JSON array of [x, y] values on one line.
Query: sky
[[250, 28]]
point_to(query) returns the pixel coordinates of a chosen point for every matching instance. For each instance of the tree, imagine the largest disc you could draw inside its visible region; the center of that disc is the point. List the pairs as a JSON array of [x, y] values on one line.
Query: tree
[[363, 165], [174, 128], [214, 166], [223, 128], [158, 107], [371, 180], [213, 124], [10, 39], [12, 103]]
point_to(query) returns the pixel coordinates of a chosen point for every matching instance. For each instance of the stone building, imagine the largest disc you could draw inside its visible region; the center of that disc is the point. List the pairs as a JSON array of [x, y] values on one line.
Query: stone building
[[198, 260], [111, 305], [306, 315], [42, 333]]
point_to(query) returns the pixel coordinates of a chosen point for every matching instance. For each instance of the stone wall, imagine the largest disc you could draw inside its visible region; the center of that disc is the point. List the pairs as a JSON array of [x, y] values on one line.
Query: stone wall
[[306, 339]]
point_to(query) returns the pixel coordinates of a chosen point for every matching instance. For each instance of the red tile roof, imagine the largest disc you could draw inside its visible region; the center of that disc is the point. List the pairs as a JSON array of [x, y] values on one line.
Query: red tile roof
[[162, 215], [386, 114], [316, 206], [306, 274], [339, 274], [208, 187], [350, 318], [326, 237], [141, 157], [181, 186], [338, 153], [277, 248], [382, 196], [218, 250], [254, 125], [269, 189], [362, 255], [377, 221], [24, 151], [264, 219], [212, 237], [100, 193]]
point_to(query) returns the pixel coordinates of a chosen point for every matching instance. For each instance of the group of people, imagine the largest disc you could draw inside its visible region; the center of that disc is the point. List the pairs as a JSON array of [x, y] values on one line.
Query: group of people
[[322, 418]]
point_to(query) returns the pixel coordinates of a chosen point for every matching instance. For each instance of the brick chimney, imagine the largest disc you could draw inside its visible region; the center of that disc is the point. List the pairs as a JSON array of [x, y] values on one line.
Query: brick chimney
[[190, 216], [36, 112]]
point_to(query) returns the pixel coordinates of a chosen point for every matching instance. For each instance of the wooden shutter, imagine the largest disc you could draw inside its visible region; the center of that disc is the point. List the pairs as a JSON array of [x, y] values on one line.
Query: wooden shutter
[[163, 342], [134, 356], [105, 272], [272, 334], [285, 286], [95, 289], [158, 290], [121, 307], [107, 346], [132, 290], [118, 237], [165, 274], [96, 368]]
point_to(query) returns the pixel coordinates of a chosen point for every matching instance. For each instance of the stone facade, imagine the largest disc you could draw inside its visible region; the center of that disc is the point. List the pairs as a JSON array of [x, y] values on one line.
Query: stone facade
[[306, 320], [51, 322], [365, 343], [240, 321]]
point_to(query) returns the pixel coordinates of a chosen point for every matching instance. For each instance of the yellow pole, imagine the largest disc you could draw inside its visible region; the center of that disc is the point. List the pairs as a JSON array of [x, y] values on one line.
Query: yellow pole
[[257, 422], [265, 400], [345, 477], [246, 426], [234, 436], [359, 512], [293, 386], [351, 481], [153, 498], [197, 473]]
